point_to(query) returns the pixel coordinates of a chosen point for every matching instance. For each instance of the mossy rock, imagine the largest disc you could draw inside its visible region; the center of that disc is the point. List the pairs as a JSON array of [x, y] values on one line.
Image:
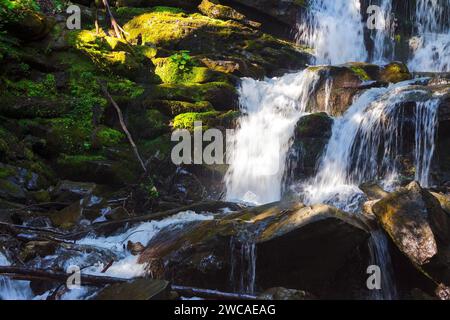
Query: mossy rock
[[395, 72], [209, 119], [147, 123], [34, 107], [193, 32], [16, 182], [30, 25], [67, 136], [213, 9], [169, 72], [316, 125], [161, 145], [111, 55], [172, 108], [161, 5], [108, 137], [97, 168], [221, 95]]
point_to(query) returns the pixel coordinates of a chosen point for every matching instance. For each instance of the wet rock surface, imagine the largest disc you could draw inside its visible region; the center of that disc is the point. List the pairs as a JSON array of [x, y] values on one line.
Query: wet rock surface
[[419, 227], [209, 253]]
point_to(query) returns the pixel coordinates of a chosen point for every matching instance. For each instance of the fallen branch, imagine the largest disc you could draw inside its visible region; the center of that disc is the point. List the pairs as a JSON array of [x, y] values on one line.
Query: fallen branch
[[34, 274], [211, 294], [123, 125], [202, 206], [111, 226]]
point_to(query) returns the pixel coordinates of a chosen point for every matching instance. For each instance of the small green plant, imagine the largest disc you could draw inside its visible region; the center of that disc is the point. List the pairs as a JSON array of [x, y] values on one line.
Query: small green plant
[[182, 60]]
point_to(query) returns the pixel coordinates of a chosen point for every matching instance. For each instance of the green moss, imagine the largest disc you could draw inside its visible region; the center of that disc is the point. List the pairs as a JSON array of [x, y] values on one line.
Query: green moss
[[4, 148], [5, 172], [173, 108], [109, 137], [361, 73], [69, 135], [125, 87], [147, 123], [301, 3], [395, 72], [46, 88], [155, 118], [108, 54], [10, 187], [186, 120], [79, 160], [162, 27], [41, 196], [167, 9], [214, 9], [219, 94], [169, 72], [161, 145]]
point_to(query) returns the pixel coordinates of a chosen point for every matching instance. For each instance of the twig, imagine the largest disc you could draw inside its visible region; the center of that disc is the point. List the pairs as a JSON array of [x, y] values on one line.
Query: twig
[[123, 125]]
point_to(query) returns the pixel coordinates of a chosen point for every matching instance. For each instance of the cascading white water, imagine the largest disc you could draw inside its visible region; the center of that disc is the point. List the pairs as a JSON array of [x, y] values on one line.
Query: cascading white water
[[382, 36], [334, 29], [426, 122], [432, 21], [126, 266], [257, 154], [366, 143], [243, 265], [380, 256], [13, 289]]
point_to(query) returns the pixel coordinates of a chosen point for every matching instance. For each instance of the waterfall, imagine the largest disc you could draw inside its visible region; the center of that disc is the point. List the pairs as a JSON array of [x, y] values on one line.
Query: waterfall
[[243, 265], [426, 122], [334, 29], [13, 289], [366, 145], [257, 152], [433, 50], [380, 256], [382, 36]]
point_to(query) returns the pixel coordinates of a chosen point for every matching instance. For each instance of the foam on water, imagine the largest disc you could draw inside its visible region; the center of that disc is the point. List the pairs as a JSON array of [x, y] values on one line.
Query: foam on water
[[257, 153]]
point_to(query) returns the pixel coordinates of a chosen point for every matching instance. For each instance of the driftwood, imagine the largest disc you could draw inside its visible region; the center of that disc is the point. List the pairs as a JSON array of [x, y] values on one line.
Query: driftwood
[[123, 125], [33, 274], [211, 294]]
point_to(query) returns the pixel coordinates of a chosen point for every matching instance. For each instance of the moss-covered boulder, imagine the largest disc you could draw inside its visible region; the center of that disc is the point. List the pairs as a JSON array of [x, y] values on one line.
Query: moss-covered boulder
[[184, 4], [17, 182], [221, 95], [213, 9], [338, 85], [394, 72], [285, 12], [33, 107], [215, 39], [30, 25], [209, 119], [169, 72], [98, 169], [311, 136], [172, 108], [114, 55]]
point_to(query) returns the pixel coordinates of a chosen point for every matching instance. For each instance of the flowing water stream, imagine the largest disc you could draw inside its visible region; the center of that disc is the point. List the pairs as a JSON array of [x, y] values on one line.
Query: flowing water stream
[[365, 145], [367, 141]]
